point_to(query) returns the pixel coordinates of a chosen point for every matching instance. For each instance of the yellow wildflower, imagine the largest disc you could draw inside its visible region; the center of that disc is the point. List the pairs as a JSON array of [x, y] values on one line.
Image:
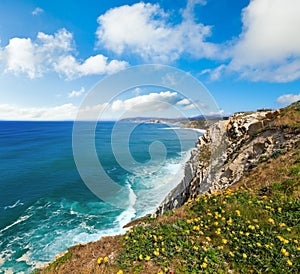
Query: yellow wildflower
[[252, 227], [238, 212], [282, 224], [147, 258], [271, 221], [218, 231], [120, 272], [284, 252], [224, 241], [105, 260], [289, 262], [204, 265], [99, 260], [141, 257], [220, 247], [244, 256], [156, 253], [231, 254], [229, 222], [258, 244]]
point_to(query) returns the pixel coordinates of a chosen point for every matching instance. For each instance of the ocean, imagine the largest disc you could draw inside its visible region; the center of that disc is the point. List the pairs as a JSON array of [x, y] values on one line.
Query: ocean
[[45, 206]]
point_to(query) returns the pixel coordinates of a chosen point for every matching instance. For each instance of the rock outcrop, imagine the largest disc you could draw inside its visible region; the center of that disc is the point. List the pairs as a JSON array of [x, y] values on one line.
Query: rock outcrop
[[229, 149]]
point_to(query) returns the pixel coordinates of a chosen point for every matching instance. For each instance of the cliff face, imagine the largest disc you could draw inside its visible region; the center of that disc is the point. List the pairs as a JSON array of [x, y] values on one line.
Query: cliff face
[[231, 148]]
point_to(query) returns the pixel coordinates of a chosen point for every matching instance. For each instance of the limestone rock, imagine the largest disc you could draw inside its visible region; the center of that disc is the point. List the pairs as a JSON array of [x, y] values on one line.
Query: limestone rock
[[226, 151]]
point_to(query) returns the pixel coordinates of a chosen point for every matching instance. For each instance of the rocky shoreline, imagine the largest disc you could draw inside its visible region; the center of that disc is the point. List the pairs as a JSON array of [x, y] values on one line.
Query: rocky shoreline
[[252, 150], [227, 151]]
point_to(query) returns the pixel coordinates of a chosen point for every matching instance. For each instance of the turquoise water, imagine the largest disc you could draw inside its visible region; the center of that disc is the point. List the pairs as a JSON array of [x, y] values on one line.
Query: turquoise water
[[45, 207]]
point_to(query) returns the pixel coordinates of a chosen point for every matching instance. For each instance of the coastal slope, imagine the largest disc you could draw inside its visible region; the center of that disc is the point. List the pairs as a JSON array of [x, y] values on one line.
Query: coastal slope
[[236, 209]]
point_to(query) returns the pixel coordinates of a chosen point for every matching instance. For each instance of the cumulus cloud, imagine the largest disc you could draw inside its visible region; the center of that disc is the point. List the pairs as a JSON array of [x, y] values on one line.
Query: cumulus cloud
[[62, 112], [76, 93], [150, 102], [19, 56], [269, 45], [144, 29], [183, 102], [71, 68], [37, 11], [287, 99], [53, 53]]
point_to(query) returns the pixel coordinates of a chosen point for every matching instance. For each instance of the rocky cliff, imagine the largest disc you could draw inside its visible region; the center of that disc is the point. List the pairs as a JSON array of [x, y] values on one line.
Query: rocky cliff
[[231, 148]]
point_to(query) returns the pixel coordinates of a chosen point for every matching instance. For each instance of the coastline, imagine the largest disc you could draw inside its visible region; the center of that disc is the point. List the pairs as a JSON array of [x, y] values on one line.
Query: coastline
[[209, 172], [185, 175]]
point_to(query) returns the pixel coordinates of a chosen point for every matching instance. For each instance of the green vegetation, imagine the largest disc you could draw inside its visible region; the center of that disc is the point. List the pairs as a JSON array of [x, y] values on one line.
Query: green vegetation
[[60, 261], [239, 230]]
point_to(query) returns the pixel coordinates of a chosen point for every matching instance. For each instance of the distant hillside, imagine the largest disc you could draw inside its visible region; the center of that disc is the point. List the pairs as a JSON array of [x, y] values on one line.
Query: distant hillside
[[202, 122]]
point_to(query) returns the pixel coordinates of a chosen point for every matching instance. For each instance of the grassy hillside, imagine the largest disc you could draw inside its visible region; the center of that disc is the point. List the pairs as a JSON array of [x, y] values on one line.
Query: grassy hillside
[[252, 227]]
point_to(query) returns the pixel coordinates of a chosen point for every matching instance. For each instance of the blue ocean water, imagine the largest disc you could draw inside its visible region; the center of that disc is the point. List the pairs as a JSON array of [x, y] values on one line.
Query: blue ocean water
[[45, 207]]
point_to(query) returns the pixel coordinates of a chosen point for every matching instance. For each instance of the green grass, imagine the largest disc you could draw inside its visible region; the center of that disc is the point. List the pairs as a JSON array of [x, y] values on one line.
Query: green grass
[[242, 231], [58, 262]]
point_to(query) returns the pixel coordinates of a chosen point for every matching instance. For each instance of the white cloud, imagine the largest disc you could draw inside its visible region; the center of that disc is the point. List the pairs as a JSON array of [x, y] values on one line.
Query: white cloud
[[144, 29], [269, 46], [287, 99], [183, 102], [76, 93], [189, 107], [19, 57], [71, 68], [37, 11], [53, 53], [92, 112], [150, 102], [62, 112]]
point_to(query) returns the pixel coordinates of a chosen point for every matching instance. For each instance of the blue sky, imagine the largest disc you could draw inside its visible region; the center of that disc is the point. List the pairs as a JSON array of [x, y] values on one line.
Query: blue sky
[[246, 53]]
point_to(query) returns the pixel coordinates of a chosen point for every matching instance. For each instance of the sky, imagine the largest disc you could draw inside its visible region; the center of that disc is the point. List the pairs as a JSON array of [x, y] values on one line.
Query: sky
[[53, 53]]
